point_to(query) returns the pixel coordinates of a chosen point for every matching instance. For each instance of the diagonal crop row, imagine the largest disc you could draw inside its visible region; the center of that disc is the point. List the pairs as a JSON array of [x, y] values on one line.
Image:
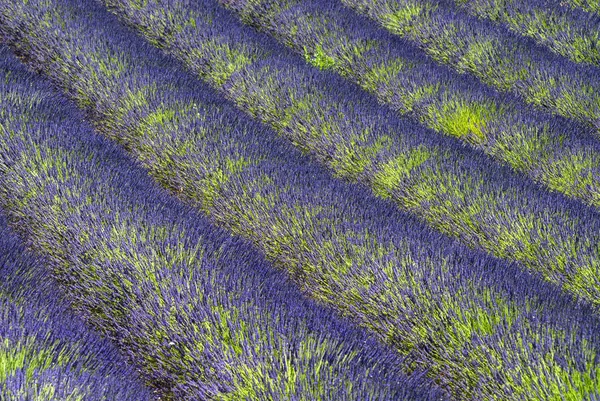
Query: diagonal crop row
[[453, 189], [330, 36], [46, 352], [571, 33], [495, 56], [482, 329], [200, 313], [592, 6]]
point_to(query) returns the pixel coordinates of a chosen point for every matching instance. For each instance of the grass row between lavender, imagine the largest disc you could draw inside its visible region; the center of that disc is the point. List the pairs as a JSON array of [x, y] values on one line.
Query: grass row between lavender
[[46, 352], [456, 190], [497, 57], [571, 33], [549, 150], [483, 328], [197, 310]]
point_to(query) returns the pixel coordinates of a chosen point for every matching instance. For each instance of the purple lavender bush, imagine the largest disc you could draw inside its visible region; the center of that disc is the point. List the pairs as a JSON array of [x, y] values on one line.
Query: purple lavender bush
[[592, 6], [572, 33], [46, 350], [481, 328], [455, 190], [549, 150], [200, 313], [493, 54]]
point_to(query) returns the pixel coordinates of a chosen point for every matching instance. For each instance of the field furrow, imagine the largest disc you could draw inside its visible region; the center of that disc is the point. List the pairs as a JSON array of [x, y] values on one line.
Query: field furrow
[[478, 326], [198, 311]]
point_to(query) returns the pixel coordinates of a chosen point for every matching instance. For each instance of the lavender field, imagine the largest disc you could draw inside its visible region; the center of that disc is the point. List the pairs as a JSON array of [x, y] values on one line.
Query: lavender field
[[301, 200]]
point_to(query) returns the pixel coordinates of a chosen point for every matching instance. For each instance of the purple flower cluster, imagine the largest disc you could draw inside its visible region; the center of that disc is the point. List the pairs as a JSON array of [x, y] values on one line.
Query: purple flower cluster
[[549, 150], [196, 307], [572, 33], [46, 350], [493, 54], [455, 190], [197, 310]]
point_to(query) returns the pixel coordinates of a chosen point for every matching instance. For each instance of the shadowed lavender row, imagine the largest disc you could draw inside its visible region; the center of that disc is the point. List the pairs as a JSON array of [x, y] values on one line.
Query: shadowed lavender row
[[482, 328], [46, 352], [493, 54], [571, 33], [456, 190], [550, 151], [197, 310]]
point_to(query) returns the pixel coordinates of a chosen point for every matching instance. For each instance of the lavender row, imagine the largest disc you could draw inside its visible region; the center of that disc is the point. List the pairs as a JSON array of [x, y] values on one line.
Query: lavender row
[[455, 190], [46, 351], [493, 54], [570, 33], [592, 6], [482, 329], [197, 310], [549, 150]]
